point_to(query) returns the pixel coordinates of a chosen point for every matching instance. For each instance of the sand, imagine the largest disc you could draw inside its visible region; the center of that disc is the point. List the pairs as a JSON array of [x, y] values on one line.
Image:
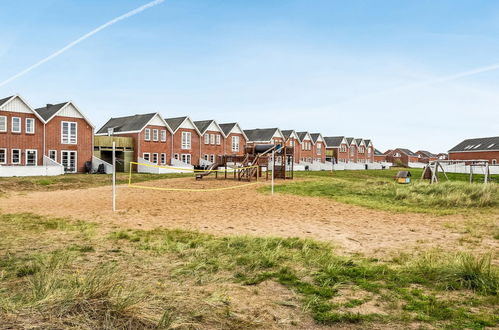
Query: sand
[[243, 210]]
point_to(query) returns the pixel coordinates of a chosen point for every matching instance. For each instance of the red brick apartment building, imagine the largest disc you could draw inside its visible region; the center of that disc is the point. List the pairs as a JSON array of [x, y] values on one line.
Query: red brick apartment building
[[68, 136], [401, 156], [293, 140], [186, 140], [378, 156], [369, 151], [213, 140], [21, 133], [352, 150], [306, 144], [60, 132], [318, 147], [235, 139], [152, 136], [426, 156], [477, 149], [336, 149]]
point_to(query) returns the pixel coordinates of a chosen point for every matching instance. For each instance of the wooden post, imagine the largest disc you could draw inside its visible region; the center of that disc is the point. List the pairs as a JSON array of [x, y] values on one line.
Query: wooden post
[[114, 176]]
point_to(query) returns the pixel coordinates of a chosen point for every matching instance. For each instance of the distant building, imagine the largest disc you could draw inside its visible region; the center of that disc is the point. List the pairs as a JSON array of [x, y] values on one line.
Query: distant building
[[477, 149], [426, 156], [401, 156]]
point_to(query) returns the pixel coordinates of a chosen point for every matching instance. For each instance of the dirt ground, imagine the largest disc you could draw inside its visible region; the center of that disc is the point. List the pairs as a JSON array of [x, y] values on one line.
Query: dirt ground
[[245, 211]]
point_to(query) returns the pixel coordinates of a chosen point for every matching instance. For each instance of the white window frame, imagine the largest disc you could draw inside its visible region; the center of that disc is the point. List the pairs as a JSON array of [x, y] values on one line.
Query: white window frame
[[343, 148], [69, 140], [147, 134], [163, 135], [4, 155], [76, 159], [212, 158], [206, 138], [163, 158], [218, 139], [212, 138], [155, 156], [5, 122], [186, 141], [32, 126], [186, 157], [235, 143], [176, 156], [20, 125], [206, 157], [155, 134], [12, 156], [26, 157], [494, 161], [55, 154], [148, 156], [319, 149]]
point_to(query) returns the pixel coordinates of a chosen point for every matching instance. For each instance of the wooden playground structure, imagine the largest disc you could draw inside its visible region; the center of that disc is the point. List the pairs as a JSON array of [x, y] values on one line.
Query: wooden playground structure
[[269, 157], [432, 170]]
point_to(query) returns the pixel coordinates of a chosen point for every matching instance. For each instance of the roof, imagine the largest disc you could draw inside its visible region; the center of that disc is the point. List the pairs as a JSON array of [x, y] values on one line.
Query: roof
[[287, 133], [127, 124], [407, 152], [202, 125], [426, 153], [50, 110], [378, 153], [302, 135], [333, 141], [477, 144], [367, 142], [2, 101], [359, 141], [315, 136], [175, 123], [349, 140], [226, 128], [260, 134]]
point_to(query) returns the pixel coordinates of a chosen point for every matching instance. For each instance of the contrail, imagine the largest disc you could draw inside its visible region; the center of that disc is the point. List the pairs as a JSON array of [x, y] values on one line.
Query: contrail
[[85, 36]]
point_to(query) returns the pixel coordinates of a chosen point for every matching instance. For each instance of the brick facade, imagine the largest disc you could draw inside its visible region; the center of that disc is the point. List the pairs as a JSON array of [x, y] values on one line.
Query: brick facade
[[491, 156], [194, 150], [228, 145], [212, 150]]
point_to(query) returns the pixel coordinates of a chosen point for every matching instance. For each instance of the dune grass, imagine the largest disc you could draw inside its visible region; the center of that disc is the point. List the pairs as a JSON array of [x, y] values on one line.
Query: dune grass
[[377, 189], [61, 276]]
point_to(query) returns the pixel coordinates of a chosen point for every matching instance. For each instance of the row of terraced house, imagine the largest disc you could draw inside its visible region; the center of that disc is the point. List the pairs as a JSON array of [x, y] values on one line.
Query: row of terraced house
[[59, 138]]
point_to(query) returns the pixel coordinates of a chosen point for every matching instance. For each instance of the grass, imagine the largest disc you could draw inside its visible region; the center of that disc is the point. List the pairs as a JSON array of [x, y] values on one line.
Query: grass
[[377, 189], [74, 181], [173, 278]]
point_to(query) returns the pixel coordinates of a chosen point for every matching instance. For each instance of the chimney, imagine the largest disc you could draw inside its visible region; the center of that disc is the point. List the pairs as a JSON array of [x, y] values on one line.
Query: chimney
[[49, 105]]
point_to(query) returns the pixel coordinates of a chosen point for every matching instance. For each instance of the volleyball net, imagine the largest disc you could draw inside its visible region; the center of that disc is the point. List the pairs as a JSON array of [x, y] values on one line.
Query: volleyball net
[[166, 170]]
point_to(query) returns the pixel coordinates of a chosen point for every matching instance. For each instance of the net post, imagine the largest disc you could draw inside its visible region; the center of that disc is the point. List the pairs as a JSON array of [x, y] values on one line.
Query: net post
[[114, 176], [273, 169]]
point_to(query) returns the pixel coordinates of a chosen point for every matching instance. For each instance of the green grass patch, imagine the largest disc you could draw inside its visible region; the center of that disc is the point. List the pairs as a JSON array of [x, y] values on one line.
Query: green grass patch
[[377, 189]]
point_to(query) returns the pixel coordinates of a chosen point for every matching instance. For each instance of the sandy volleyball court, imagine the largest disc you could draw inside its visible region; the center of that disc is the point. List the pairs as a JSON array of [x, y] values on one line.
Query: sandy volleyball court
[[245, 211]]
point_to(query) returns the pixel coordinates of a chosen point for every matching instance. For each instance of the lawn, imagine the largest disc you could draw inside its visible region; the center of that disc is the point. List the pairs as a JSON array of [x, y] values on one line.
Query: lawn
[[61, 273], [74, 181], [377, 189]]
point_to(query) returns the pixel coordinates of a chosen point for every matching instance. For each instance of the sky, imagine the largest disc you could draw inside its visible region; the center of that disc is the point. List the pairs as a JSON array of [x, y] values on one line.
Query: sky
[[382, 70]]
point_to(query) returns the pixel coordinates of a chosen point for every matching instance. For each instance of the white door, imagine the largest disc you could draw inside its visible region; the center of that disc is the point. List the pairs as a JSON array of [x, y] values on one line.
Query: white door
[[68, 160]]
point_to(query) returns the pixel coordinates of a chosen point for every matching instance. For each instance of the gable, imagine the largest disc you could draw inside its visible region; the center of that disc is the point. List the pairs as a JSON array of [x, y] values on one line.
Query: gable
[[16, 105], [213, 127], [187, 124], [69, 111], [156, 121], [236, 130]]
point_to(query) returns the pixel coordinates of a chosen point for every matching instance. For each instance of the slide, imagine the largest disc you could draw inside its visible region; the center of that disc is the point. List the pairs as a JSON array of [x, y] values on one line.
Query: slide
[[208, 171]]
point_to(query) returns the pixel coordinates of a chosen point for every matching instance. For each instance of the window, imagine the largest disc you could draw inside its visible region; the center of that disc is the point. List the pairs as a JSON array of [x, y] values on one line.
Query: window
[[30, 125], [235, 143], [68, 160], [207, 138], [155, 158], [175, 156], [16, 125], [68, 132], [352, 151], [147, 134], [212, 158], [163, 135], [343, 148], [53, 155], [31, 157], [163, 158], [155, 134], [146, 156], [212, 138], [186, 158], [369, 151], [319, 149], [218, 139], [16, 156], [3, 123], [3, 156], [186, 140], [206, 156], [494, 161]]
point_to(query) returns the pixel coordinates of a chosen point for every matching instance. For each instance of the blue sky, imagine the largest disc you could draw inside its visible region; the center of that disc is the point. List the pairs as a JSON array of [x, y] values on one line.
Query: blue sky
[[355, 68]]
